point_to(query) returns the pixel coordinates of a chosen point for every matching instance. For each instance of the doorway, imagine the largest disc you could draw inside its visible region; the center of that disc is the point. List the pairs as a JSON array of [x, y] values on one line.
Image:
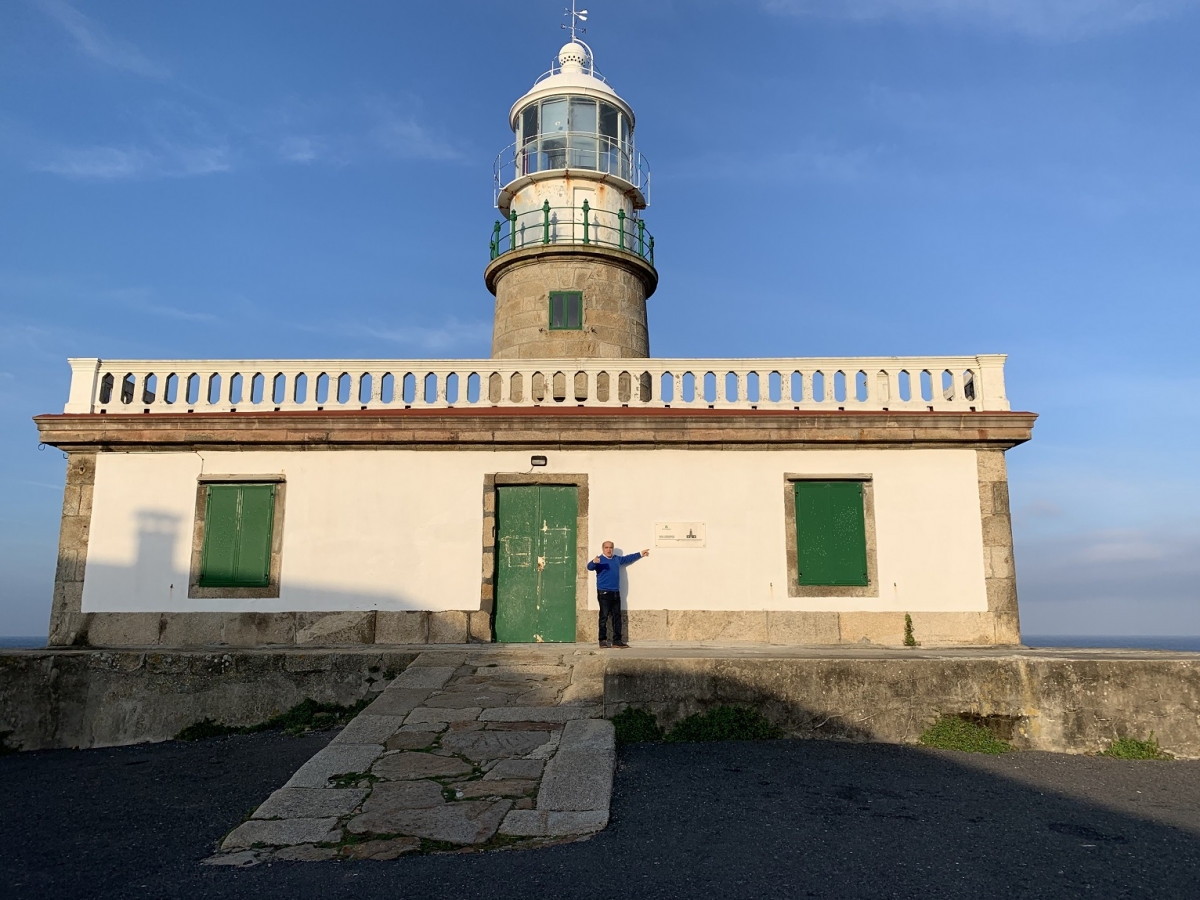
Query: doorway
[[535, 562]]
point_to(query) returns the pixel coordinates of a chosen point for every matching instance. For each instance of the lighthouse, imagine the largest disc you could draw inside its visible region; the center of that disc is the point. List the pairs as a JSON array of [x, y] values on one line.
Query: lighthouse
[[572, 261]]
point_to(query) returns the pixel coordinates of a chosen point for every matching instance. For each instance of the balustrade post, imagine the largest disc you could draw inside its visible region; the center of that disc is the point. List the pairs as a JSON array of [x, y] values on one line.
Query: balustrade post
[[883, 389], [585, 221], [621, 229], [641, 238], [546, 222], [651, 249], [989, 382], [494, 246], [512, 230], [85, 383]]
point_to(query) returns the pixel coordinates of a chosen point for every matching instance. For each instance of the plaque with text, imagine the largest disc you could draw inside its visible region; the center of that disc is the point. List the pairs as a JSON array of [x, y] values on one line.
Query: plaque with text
[[679, 534]]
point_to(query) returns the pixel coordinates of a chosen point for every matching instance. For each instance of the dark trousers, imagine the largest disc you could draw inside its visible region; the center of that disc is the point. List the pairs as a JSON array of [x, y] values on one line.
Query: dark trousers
[[610, 605]]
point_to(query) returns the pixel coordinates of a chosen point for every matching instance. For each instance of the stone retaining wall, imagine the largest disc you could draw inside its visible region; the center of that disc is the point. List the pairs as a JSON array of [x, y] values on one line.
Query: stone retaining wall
[[1066, 705], [94, 698], [1063, 703]]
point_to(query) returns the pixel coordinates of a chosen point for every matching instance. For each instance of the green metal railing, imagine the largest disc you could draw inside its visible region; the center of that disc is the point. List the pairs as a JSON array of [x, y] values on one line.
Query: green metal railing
[[571, 225]]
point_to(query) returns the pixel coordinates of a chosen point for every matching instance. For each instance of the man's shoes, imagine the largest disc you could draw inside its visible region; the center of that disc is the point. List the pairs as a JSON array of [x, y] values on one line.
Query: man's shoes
[[604, 645], [620, 645]]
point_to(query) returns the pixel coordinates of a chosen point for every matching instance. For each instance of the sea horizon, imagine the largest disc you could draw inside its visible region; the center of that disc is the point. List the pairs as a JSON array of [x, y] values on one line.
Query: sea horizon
[[1084, 641]]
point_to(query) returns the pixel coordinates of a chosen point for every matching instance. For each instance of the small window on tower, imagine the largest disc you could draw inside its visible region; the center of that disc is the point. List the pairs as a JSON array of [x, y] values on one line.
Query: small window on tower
[[566, 310]]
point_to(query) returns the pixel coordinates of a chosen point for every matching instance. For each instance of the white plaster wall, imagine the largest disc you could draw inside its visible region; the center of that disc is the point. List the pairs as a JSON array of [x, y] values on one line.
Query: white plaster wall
[[402, 529]]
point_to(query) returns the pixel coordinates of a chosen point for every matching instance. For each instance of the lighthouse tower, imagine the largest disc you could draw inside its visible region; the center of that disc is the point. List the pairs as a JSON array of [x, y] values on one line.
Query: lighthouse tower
[[572, 262]]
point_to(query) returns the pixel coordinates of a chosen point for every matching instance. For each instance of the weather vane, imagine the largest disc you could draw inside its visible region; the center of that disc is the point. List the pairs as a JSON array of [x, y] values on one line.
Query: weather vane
[[577, 16]]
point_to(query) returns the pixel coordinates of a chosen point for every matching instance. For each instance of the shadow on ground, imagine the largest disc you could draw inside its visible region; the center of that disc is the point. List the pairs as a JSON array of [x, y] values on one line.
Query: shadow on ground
[[778, 818]]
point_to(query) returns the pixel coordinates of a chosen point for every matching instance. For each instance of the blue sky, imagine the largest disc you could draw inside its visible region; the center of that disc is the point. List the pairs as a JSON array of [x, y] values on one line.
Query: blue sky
[[830, 178]]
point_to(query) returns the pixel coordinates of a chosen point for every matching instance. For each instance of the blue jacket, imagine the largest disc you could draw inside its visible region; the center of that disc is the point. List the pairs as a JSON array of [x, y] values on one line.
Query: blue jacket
[[608, 571]]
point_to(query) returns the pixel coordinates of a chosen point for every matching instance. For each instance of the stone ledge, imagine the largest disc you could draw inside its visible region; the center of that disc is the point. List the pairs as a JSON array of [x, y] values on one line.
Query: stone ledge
[[514, 428]]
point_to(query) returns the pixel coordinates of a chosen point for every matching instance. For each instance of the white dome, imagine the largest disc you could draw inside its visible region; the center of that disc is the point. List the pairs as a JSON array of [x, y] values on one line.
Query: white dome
[[573, 56]]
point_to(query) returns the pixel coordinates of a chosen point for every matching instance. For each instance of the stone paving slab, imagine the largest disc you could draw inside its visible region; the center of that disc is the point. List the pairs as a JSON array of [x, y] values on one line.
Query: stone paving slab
[[577, 780], [488, 745], [589, 734], [390, 848], [310, 803], [545, 823], [496, 788], [398, 701], [335, 759], [438, 659], [282, 832], [423, 677], [538, 713], [411, 740], [437, 714], [369, 729], [516, 768], [454, 750], [462, 822], [407, 765]]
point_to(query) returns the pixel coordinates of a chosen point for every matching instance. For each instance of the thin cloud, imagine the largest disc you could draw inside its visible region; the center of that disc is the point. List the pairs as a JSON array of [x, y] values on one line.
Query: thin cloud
[[1042, 19], [127, 163], [438, 339], [398, 133], [94, 42], [139, 300]]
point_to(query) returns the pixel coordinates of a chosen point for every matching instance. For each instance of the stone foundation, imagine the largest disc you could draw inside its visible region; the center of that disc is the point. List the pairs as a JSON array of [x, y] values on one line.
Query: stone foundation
[[795, 628]]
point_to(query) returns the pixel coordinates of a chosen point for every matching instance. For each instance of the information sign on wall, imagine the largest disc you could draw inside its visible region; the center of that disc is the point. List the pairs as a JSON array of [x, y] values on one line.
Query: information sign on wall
[[679, 534]]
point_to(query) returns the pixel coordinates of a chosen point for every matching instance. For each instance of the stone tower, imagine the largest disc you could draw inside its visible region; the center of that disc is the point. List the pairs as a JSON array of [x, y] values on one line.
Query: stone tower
[[571, 261]]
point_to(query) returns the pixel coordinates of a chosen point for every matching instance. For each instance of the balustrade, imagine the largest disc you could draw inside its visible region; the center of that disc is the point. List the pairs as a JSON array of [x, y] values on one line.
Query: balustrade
[[966, 384]]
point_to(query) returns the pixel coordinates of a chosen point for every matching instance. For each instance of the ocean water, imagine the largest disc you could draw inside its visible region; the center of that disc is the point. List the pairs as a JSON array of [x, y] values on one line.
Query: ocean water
[[10, 642], [1135, 642]]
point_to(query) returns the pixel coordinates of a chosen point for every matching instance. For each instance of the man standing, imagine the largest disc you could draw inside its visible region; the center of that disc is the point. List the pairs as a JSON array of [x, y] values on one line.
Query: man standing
[[608, 590]]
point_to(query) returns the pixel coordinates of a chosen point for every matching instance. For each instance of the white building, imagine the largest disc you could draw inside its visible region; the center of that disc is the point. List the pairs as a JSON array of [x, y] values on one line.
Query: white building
[[819, 501]]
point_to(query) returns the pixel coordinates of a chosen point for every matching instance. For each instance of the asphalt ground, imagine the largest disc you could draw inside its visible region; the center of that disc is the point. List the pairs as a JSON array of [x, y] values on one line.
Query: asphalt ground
[[770, 819]]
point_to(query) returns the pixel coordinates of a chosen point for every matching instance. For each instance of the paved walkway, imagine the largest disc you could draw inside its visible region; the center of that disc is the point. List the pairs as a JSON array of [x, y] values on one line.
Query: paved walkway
[[464, 749]]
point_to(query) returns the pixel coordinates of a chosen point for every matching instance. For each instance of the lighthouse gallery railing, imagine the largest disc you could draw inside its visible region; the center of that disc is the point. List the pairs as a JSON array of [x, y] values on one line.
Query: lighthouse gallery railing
[[572, 225]]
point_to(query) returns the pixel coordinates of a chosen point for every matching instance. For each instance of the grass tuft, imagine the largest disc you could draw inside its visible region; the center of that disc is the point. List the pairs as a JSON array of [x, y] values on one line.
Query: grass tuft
[[957, 733], [910, 639], [307, 715], [205, 729], [725, 723], [1132, 748], [636, 726]]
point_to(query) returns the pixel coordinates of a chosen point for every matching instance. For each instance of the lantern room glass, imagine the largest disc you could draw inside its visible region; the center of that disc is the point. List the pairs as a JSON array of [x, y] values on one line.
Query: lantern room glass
[[574, 133]]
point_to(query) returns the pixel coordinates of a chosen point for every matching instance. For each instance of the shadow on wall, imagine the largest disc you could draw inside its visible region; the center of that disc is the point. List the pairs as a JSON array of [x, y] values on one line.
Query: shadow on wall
[[1066, 705], [150, 605]]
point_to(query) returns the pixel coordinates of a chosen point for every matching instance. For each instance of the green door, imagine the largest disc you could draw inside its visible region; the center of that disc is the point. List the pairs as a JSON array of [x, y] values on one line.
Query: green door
[[535, 563]]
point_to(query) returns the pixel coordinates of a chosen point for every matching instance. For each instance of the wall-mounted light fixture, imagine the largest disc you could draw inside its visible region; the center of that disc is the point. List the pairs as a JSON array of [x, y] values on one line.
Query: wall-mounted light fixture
[[537, 461]]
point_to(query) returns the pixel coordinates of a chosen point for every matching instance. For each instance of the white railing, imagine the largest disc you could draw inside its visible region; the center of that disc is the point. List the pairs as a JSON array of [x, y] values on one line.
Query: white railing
[[947, 383]]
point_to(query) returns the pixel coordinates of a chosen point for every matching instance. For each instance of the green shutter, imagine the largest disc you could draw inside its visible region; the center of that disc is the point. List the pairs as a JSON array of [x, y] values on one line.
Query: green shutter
[[238, 520], [566, 310], [831, 539]]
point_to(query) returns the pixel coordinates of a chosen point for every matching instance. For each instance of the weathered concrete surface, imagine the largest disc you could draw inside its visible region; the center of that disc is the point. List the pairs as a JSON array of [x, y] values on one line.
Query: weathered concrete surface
[[1067, 702], [1061, 700], [102, 698]]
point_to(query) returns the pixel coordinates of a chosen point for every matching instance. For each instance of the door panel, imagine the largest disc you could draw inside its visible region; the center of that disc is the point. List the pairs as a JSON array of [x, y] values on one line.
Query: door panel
[[535, 565]]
